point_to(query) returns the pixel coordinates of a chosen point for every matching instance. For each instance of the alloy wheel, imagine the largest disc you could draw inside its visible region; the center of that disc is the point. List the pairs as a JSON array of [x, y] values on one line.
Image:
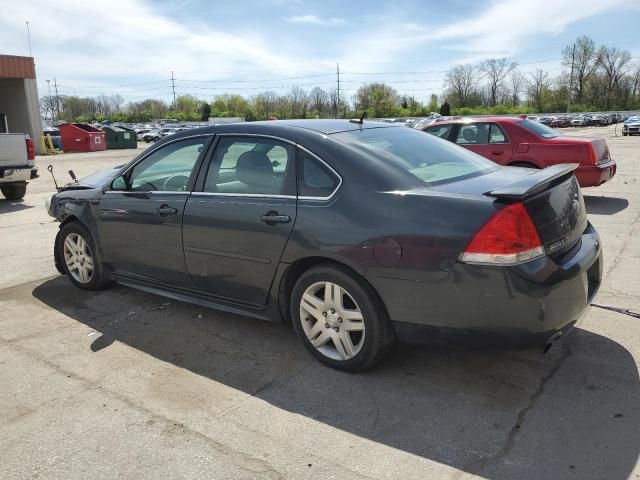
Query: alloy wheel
[[78, 258], [332, 321]]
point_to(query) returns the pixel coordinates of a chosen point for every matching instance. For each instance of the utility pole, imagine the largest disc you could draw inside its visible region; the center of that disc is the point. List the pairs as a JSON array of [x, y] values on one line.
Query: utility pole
[[573, 56], [29, 39], [338, 96], [55, 86], [49, 88], [173, 87]]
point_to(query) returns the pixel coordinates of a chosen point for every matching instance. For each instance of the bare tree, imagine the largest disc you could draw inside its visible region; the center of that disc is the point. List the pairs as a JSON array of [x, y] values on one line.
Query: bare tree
[[614, 63], [537, 84], [298, 102], [517, 82], [496, 70], [461, 82], [584, 61], [635, 82], [319, 100], [48, 106]]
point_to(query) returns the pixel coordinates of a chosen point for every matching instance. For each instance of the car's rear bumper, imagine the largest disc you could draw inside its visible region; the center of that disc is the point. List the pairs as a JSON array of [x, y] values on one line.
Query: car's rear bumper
[[517, 306], [593, 176], [15, 174]]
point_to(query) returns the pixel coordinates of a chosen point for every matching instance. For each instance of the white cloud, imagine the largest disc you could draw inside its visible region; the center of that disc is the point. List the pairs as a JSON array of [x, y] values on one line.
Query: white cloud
[[316, 20], [505, 26], [82, 45]]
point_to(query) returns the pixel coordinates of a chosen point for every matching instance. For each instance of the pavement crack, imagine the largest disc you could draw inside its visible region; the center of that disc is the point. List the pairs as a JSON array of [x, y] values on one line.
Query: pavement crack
[[478, 466]]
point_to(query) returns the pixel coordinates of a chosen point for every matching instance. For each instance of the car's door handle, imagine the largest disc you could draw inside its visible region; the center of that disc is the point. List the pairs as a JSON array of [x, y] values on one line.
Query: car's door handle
[[271, 218], [496, 152], [166, 210]]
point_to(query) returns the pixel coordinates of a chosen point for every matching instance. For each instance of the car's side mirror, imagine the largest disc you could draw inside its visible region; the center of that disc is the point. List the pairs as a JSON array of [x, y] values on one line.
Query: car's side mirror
[[119, 183]]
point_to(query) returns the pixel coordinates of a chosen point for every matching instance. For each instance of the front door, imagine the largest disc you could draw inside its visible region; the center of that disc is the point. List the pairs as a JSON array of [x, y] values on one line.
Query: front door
[[139, 219], [235, 229]]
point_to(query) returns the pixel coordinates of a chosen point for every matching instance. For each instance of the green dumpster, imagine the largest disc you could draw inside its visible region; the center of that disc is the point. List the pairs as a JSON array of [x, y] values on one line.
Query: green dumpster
[[120, 137]]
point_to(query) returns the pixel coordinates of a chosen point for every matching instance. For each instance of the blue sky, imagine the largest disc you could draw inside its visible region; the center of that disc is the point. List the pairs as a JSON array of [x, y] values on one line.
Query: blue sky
[[131, 46]]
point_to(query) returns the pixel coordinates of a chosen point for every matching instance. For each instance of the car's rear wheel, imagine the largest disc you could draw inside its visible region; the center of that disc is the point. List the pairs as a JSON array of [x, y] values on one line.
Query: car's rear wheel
[[340, 319], [14, 191], [80, 259]]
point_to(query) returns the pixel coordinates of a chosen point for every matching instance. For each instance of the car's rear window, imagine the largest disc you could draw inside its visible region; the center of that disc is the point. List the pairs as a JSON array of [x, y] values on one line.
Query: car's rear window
[[432, 160], [539, 128]]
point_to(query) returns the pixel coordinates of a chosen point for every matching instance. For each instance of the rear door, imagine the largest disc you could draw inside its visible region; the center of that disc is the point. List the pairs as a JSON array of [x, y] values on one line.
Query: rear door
[[237, 224], [485, 138]]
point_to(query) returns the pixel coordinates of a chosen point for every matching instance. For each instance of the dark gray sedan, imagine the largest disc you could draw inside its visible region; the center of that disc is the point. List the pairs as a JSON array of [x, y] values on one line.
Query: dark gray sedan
[[358, 233]]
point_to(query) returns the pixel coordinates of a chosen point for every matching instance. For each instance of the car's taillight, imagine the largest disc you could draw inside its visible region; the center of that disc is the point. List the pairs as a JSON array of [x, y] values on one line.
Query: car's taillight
[[592, 155], [508, 238], [31, 150]]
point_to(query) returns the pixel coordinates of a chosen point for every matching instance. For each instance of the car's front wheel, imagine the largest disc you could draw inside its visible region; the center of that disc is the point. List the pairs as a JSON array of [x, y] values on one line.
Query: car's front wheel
[[340, 319], [79, 256]]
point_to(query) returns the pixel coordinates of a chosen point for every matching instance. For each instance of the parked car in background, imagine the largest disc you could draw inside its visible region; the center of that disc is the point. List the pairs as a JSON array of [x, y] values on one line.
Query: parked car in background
[[599, 120], [155, 135], [580, 121], [560, 122], [631, 126], [545, 120], [271, 220], [525, 143]]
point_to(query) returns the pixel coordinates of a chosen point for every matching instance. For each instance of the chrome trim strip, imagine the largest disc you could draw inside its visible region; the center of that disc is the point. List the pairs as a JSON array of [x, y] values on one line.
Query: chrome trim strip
[[145, 192], [248, 195], [218, 253], [335, 190]]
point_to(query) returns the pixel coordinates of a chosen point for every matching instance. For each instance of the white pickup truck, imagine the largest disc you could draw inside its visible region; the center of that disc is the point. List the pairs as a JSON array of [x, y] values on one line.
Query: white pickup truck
[[17, 164]]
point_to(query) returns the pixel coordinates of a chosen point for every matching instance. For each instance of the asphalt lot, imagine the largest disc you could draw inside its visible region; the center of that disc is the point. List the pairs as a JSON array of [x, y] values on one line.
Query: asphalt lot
[[127, 384]]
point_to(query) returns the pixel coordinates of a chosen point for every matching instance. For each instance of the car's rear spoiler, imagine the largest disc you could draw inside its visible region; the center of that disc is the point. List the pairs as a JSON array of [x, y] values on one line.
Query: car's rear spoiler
[[534, 183]]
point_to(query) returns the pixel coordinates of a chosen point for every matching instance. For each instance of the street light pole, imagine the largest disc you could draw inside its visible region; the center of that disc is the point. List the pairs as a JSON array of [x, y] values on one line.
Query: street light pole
[[29, 39]]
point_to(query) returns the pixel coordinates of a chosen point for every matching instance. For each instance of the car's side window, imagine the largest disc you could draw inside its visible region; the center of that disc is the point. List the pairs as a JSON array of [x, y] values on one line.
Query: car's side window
[[473, 134], [441, 131], [252, 166], [315, 178], [169, 168], [496, 134]]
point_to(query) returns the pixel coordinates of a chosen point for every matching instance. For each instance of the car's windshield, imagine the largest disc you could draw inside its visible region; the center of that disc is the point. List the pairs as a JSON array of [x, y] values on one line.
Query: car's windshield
[[430, 159], [539, 129], [633, 119]]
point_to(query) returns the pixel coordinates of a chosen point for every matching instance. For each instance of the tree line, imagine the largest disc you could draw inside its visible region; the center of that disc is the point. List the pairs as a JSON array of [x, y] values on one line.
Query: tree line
[[594, 78]]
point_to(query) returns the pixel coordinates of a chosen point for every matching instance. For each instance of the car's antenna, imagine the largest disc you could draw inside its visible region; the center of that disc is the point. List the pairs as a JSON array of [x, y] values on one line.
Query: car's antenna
[[50, 169], [359, 120]]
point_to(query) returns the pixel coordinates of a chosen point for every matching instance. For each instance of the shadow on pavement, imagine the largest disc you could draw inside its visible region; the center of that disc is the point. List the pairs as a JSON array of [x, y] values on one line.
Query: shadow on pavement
[[604, 205], [7, 206], [573, 413]]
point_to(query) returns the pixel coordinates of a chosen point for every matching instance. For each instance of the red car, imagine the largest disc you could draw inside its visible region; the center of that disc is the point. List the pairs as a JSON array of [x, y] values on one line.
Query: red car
[[520, 142]]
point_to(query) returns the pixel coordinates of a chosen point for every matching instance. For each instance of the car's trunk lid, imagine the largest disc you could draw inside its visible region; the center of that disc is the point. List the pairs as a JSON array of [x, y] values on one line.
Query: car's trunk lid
[[554, 201], [594, 150]]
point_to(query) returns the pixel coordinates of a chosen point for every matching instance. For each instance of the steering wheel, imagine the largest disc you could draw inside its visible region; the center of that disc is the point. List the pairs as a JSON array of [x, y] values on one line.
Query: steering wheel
[[175, 183]]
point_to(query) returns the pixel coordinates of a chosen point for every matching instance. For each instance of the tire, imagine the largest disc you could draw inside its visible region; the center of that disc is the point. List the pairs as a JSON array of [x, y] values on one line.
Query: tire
[[523, 165], [14, 191], [77, 253], [369, 339]]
